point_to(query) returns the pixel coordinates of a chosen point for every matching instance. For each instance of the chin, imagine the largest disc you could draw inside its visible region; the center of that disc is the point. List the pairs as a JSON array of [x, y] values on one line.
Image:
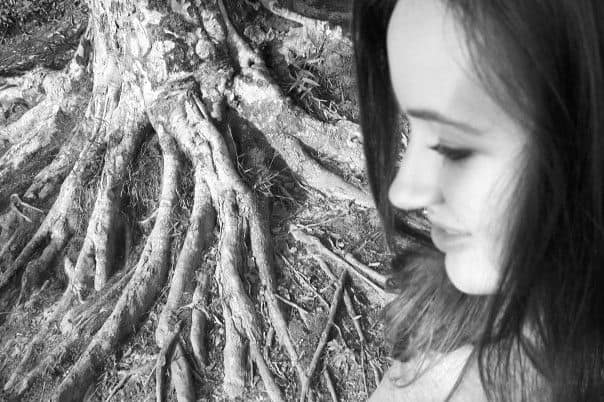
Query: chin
[[471, 273]]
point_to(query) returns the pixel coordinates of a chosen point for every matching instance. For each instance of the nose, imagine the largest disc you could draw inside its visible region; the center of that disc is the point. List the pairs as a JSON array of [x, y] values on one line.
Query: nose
[[416, 184]]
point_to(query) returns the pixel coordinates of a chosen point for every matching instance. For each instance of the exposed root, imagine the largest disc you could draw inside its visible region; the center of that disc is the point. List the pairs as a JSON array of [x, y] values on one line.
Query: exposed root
[[56, 228], [271, 387], [77, 325], [233, 354], [259, 99], [370, 288], [36, 136], [330, 386], [324, 335], [143, 289], [125, 134], [162, 361], [197, 240], [40, 131], [61, 220], [347, 301], [181, 376], [263, 255], [315, 25], [203, 144], [46, 182], [199, 319], [367, 271], [39, 339]]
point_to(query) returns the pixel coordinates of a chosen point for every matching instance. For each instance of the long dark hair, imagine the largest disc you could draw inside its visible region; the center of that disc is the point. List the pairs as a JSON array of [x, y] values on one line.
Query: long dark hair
[[541, 335]]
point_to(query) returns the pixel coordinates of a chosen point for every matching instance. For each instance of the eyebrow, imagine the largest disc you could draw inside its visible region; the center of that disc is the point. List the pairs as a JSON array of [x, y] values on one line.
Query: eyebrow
[[434, 116]]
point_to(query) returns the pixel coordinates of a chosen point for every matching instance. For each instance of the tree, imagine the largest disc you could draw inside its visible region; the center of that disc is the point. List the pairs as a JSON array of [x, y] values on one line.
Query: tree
[[173, 70]]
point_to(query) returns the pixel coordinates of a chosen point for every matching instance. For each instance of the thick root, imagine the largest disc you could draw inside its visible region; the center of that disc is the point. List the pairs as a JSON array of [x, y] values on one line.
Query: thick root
[[257, 98], [199, 319], [57, 227], [315, 25], [199, 232], [143, 289], [197, 240], [37, 135], [233, 354], [97, 254], [202, 142], [263, 257], [77, 326], [182, 379], [162, 361]]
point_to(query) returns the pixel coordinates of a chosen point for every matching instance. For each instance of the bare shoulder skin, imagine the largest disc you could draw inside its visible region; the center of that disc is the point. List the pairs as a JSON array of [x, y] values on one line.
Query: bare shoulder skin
[[435, 384]]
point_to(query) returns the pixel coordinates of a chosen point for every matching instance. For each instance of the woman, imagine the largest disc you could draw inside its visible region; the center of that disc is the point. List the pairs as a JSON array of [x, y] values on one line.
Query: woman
[[503, 102]]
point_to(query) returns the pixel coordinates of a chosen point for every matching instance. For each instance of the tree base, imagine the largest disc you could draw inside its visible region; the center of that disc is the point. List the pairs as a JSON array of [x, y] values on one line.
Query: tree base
[[105, 238]]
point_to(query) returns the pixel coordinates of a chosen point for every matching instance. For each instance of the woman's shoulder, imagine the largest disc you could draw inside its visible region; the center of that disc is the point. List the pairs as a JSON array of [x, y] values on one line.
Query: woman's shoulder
[[435, 383]]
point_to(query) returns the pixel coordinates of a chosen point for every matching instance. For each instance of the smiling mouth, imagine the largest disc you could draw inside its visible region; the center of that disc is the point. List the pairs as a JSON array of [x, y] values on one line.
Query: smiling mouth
[[446, 239]]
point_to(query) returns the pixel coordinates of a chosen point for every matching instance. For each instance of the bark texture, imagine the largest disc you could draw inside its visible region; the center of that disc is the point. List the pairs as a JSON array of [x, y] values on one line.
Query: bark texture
[[171, 69]]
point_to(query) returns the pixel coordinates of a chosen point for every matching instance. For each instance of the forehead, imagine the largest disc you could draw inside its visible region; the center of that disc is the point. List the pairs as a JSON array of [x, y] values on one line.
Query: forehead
[[429, 64]]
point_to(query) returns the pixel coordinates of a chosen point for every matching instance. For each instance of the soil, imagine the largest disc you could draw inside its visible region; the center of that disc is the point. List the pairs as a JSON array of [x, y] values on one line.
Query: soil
[[318, 77]]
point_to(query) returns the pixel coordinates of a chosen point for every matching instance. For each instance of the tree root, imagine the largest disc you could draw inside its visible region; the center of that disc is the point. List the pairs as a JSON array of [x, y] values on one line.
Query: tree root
[[142, 290], [258, 98], [324, 335], [370, 288], [233, 354], [347, 301], [196, 242], [181, 376], [125, 97], [205, 146], [163, 359], [312, 24], [97, 253], [263, 255], [54, 95], [56, 228], [61, 220], [199, 319], [77, 326], [330, 386]]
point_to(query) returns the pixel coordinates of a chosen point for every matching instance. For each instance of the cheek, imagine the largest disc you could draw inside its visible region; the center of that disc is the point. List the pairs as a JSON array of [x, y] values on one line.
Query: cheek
[[479, 196], [465, 188]]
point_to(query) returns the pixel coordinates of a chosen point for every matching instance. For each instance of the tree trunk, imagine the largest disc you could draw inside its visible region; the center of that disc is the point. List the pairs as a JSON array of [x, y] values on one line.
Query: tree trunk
[[177, 71]]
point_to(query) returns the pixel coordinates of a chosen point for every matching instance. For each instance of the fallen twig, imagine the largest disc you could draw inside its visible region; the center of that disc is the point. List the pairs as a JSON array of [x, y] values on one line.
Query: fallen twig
[[304, 314], [330, 386], [371, 273], [305, 282], [318, 247], [324, 335], [118, 386], [347, 301]]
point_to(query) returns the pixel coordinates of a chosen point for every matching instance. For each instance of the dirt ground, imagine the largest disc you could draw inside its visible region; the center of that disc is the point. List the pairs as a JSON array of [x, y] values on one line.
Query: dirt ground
[[317, 76]]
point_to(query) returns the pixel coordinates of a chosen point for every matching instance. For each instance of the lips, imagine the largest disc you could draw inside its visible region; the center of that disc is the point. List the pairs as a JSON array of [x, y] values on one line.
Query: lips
[[447, 239]]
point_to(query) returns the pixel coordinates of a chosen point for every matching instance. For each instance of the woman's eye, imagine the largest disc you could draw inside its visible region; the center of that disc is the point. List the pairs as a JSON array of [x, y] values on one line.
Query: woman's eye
[[454, 154]]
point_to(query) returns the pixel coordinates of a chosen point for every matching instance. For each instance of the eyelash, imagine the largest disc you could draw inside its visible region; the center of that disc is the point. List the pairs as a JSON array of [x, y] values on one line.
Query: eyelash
[[452, 153]]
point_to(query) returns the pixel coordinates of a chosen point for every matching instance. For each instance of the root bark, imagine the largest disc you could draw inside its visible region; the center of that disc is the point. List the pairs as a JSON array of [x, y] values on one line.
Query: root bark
[[149, 276], [138, 80]]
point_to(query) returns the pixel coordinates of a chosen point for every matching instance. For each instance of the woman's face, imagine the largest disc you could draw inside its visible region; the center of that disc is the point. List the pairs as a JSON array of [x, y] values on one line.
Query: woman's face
[[464, 155]]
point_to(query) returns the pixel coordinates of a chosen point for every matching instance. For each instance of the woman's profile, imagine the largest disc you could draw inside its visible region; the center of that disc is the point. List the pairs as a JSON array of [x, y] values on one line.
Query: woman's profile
[[501, 106]]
